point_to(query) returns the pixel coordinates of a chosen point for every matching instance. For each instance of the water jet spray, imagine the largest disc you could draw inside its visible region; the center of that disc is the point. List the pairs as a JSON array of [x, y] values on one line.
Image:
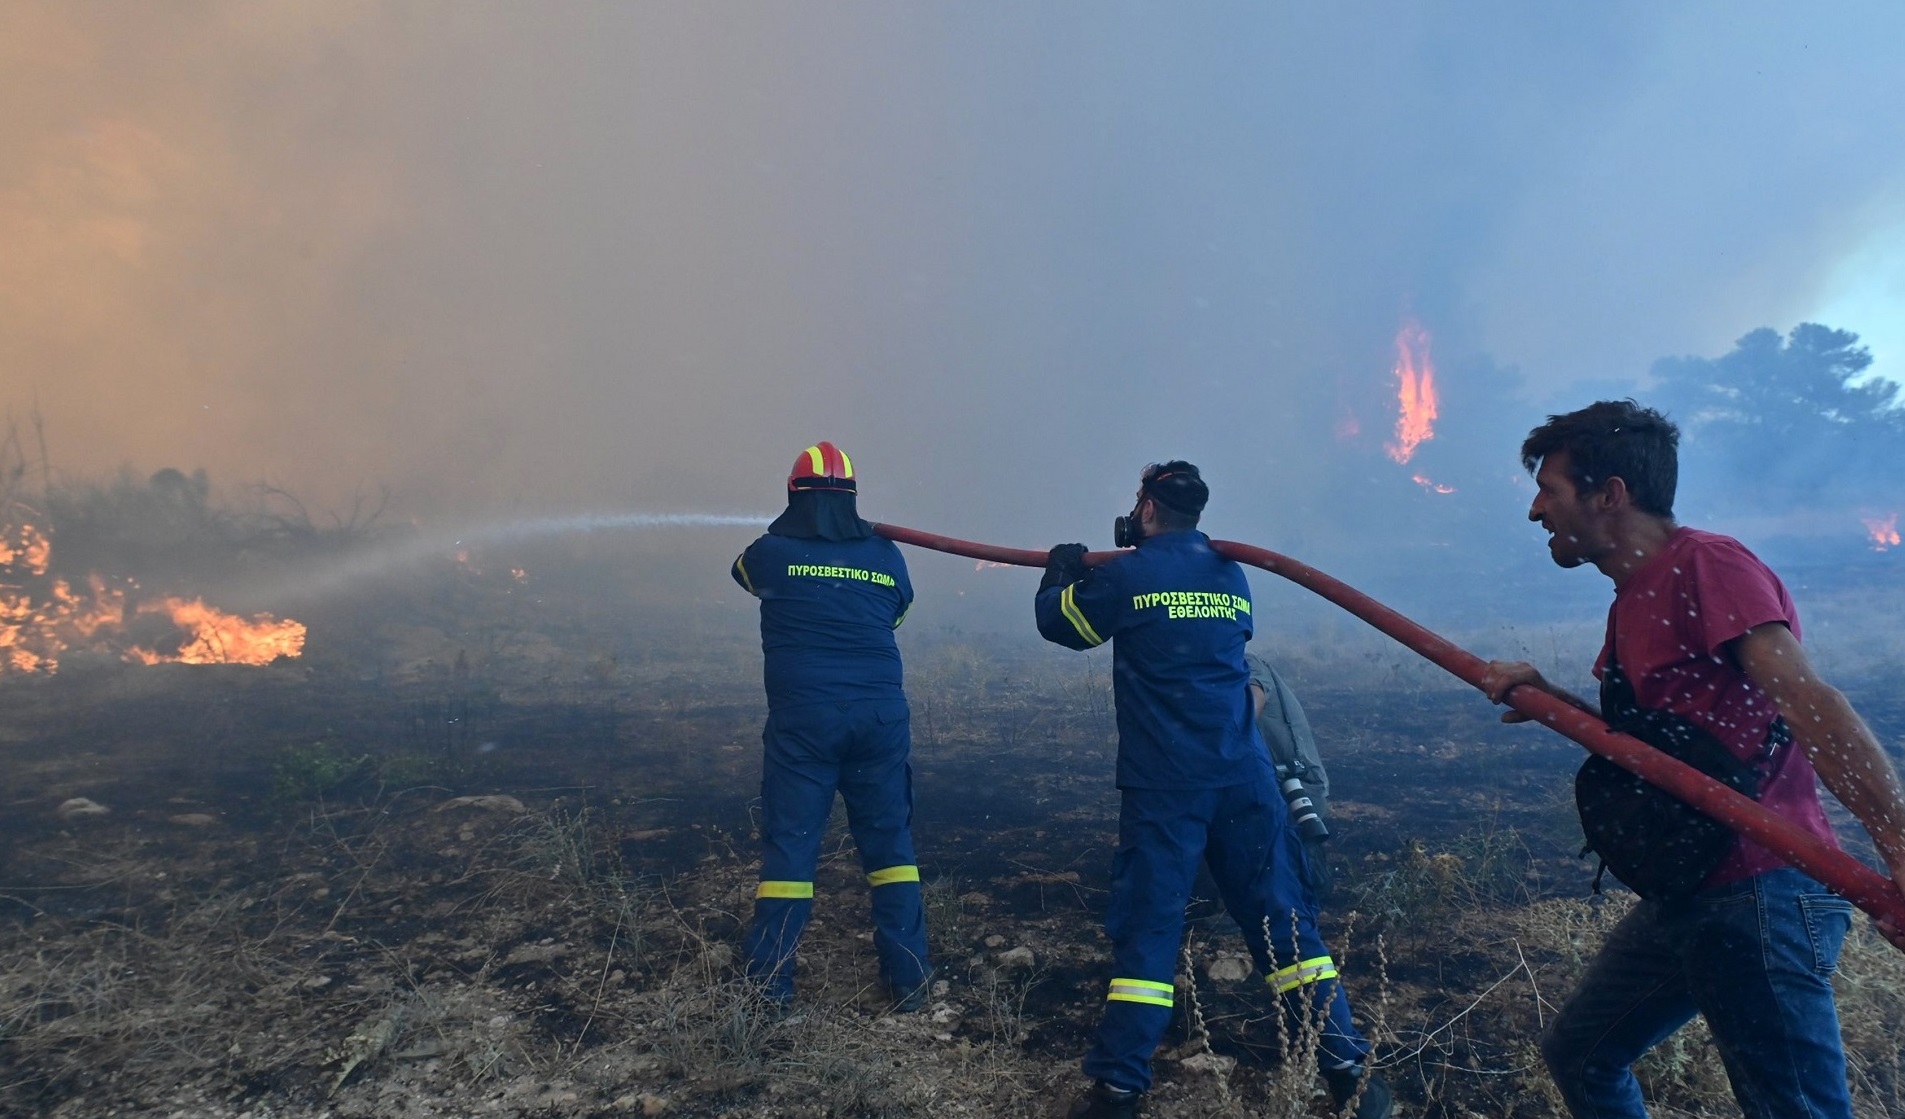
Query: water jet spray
[[330, 577], [1846, 876]]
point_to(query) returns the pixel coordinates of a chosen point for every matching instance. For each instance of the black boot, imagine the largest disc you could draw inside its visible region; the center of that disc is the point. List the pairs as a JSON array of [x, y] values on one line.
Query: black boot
[[1376, 1101], [1102, 1101], [909, 1000]]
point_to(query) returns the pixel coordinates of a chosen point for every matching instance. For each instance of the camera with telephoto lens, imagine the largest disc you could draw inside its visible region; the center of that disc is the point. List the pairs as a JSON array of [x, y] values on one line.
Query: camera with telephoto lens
[[1303, 810]]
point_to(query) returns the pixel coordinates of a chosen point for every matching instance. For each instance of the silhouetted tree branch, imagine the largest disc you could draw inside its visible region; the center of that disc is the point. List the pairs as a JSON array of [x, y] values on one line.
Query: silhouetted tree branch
[[1788, 420]]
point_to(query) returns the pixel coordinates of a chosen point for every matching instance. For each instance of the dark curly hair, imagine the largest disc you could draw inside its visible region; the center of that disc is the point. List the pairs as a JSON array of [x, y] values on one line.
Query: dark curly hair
[[1613, 439]]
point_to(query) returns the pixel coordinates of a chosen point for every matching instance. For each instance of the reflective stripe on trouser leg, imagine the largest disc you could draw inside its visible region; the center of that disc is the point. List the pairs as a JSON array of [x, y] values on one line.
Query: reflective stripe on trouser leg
[[1302, 974], [784, 890], [1160, 844], [876, 782], [1256, 859], [1312, 992], [889, 875], [1139, 990], [798, 777]]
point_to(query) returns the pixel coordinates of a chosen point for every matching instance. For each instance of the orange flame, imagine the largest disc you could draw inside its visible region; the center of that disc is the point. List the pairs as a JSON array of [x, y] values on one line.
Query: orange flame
[[221, 638], [36, 629], [1415, 392], [25, 547], [33, 633], [1883, 532]]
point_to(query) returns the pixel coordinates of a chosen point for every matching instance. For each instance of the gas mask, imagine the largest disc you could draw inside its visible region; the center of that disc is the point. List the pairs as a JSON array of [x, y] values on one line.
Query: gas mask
[[1129, 529], [1126, 531]]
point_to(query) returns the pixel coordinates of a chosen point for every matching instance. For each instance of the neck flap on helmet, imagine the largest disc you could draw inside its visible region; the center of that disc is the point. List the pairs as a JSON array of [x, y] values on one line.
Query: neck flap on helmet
[[821, 515]]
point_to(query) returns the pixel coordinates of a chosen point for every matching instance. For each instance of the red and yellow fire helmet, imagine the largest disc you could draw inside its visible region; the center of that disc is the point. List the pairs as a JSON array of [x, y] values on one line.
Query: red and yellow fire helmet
[[822, 466]]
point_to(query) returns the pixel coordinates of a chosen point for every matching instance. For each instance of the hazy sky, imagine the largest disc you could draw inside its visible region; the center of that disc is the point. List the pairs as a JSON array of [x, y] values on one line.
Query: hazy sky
[[563, 256]]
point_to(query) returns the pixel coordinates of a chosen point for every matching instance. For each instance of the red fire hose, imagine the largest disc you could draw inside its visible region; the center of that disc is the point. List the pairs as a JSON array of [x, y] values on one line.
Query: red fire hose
[[1858, 883]]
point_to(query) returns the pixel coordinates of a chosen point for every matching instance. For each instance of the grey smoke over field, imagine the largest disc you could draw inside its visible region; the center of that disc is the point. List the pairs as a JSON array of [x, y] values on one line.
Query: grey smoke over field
[[515, 259]]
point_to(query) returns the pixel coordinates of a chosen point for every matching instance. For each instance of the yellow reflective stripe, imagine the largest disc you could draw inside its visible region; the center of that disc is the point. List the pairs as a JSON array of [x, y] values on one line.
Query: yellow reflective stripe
[[893, 874], [897, 622], [1073, 614], [846, 464], [785, 890], [1302, 974], [819, 464], [1139, 990], [741, 570]]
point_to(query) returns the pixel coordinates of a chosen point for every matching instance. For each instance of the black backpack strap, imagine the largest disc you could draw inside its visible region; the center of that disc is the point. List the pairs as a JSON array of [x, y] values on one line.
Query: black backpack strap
[[1621, 710], [1653, 841]]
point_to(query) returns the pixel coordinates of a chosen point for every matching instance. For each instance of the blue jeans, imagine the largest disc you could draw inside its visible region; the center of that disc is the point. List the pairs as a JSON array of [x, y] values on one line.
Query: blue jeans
[[1755, 958]]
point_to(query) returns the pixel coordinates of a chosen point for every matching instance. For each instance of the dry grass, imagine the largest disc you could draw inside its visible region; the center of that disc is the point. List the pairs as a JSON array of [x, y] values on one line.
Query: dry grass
[[355, 956], [1871, 990], [533, 966], [1482, 1043], [405, 954]]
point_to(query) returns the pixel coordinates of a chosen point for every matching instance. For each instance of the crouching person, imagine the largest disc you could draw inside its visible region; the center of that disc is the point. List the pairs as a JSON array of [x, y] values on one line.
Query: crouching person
[[832, 593], [1197, 787]]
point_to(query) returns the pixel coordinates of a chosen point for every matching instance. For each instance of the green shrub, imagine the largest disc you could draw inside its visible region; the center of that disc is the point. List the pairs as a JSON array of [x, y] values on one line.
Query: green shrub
[[305, 773]]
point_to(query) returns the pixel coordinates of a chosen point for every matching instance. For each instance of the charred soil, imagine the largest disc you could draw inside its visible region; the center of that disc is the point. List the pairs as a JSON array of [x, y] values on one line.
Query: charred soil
[[504, 872]]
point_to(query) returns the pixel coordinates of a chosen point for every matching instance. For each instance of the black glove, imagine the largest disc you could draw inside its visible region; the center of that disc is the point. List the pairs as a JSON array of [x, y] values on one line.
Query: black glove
[[1064, 565]]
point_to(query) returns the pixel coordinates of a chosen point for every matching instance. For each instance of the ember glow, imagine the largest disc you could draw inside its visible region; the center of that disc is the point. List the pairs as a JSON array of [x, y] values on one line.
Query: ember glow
[[1415, 392], [43, 619], [1883, 532]]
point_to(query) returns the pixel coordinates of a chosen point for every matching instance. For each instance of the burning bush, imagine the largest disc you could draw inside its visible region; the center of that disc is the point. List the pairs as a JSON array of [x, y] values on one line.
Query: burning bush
[[63, 591]]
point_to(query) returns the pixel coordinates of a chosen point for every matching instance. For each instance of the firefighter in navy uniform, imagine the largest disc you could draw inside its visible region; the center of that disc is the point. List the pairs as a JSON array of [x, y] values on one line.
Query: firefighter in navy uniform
[[1197, 785], [832, 593]]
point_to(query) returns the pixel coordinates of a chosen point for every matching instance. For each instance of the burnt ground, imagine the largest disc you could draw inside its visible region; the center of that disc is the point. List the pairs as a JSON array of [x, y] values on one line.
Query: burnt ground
[[442, 869]]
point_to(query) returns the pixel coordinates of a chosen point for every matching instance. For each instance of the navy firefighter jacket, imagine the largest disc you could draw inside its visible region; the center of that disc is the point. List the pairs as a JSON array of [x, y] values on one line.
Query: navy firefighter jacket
[[1180, 614], [828, 612]]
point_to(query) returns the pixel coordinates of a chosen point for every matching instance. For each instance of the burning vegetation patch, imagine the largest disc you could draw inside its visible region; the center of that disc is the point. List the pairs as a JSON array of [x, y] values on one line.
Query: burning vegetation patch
[[1882, 532], [1417, 404], [44, 616]]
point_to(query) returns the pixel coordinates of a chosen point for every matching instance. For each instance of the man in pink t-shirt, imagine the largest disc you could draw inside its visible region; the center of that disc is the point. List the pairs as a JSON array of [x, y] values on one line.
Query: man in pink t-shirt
[[1706, 632]]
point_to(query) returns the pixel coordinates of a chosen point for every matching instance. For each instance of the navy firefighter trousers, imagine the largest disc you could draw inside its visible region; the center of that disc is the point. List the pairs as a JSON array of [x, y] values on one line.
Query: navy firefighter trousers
[[860, 748], [1242, 832]]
